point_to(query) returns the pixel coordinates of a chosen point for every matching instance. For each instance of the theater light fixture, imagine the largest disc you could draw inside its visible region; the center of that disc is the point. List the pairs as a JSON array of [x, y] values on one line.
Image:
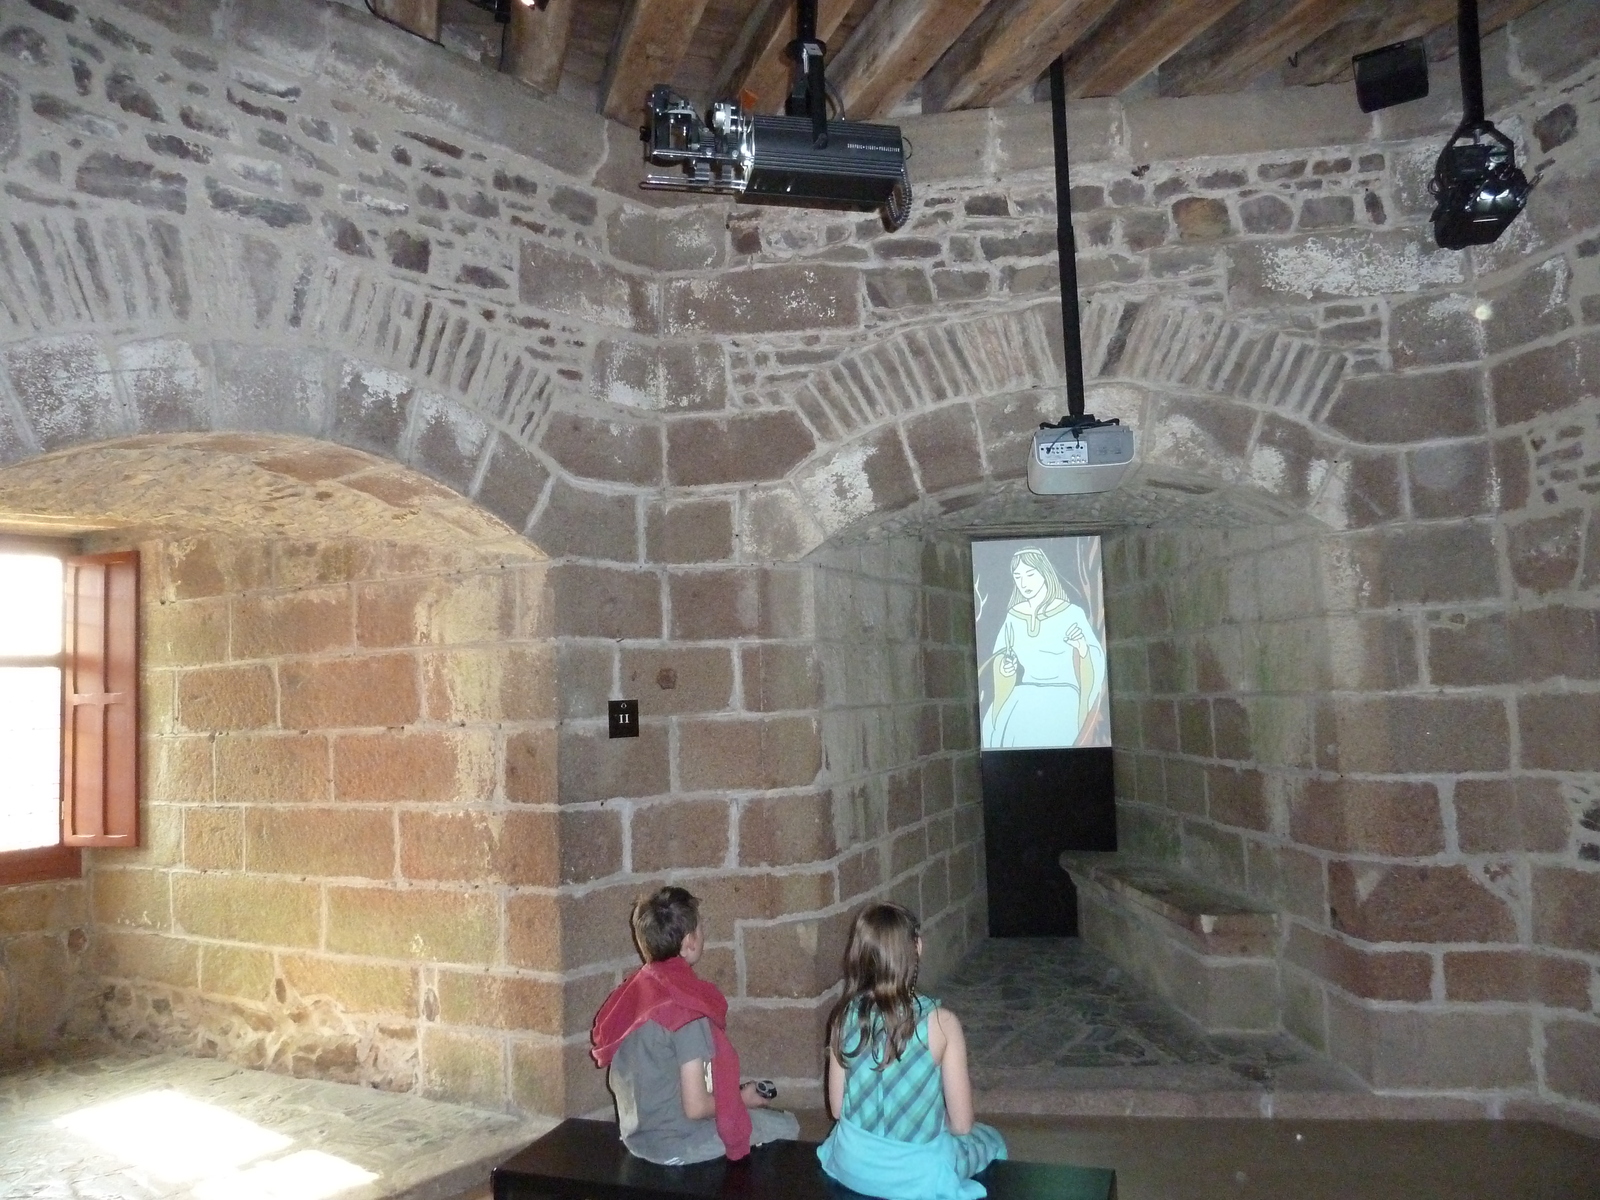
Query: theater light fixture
[[802, 157], [1477, 186]]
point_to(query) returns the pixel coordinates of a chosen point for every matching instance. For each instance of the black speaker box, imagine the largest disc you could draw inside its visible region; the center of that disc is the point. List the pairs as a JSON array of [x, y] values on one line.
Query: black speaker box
[[1391, 75]]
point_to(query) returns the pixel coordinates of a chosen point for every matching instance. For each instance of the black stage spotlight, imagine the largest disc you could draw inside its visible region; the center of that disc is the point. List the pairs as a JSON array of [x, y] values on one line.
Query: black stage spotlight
[[802, 157], [1477, 186]]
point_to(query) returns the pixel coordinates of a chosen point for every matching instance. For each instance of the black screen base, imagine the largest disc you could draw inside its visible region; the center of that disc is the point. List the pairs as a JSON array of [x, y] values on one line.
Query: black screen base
[[1036, 804]]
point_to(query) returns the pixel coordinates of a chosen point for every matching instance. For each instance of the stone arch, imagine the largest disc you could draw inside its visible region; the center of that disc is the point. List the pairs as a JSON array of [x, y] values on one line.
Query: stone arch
[[348, 738], [245, 485], [123, 325], [912, 424], [132, 326]]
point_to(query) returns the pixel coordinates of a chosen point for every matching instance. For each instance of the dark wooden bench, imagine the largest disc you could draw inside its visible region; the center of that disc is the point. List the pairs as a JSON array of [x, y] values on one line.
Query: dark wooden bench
[[586, 1160]]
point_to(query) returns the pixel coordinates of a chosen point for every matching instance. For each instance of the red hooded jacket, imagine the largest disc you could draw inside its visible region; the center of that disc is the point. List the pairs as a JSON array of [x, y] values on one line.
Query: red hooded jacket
[[669, 993]]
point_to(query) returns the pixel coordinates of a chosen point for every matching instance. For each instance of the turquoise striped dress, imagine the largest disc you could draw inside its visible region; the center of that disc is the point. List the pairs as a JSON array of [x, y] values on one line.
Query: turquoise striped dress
[[904, 1100]]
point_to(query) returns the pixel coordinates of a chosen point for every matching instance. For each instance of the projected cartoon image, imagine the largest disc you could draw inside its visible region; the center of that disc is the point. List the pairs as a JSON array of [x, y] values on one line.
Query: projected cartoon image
[[1041, 641]]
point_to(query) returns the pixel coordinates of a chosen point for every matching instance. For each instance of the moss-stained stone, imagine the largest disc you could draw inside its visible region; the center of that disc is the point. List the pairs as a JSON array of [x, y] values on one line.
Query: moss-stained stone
[[421, 924], [464, 1066], [354, 985], [235, 971]]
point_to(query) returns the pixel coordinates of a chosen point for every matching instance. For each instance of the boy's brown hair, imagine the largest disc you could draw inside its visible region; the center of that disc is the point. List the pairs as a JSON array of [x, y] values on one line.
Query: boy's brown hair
[[661, 922]]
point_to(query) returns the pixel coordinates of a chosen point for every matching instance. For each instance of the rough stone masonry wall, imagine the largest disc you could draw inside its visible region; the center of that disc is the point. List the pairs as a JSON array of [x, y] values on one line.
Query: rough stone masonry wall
[[350, 842], [805, 744], [288, 218], [211, 240], [47, 983], [1392, 733], [899, 736]]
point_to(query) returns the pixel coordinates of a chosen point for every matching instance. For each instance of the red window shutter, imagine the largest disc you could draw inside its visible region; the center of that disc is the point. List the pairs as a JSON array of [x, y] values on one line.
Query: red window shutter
[[100, 702]]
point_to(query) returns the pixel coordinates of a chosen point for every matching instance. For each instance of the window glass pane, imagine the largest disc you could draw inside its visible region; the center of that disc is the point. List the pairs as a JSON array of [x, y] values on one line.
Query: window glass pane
[[30, 749], [30, 604]]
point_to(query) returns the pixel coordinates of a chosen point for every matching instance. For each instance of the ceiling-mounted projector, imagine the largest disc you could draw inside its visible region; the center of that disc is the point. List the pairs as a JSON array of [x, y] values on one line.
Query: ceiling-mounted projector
[[1072, 458], [1078, 453], [800, 158]]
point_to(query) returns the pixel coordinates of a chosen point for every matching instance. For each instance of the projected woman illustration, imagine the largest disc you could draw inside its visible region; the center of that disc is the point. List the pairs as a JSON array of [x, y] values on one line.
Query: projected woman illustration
[[1048, 665]]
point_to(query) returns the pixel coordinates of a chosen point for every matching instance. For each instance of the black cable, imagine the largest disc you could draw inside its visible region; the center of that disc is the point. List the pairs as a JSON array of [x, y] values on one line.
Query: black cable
[[838, 101], [397, 25]]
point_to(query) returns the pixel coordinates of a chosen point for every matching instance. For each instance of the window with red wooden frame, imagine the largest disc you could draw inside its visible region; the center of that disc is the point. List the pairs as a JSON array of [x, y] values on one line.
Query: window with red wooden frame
[[69, 711]]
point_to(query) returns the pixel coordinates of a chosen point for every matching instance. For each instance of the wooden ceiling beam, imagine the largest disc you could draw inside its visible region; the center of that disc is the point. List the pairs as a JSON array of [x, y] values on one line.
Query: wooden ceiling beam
[[1376, 23], [1327, 58], [1006, 49], [1257, 36], [419, 16], [1492, 15], [756, 62], [537, 46], [650, 42], [1135, 38], [896, 44]]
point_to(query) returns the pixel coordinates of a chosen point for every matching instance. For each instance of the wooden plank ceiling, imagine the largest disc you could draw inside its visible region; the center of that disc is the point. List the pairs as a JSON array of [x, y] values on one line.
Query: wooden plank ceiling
[[933, 55]]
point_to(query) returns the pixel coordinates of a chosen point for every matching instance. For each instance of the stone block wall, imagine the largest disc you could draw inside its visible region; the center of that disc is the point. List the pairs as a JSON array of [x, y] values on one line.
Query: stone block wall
[[48, 988], [348, 817], [386, 836], [805, 744], [1388, 729], [290, 219], [1285, 734], [899, 710]]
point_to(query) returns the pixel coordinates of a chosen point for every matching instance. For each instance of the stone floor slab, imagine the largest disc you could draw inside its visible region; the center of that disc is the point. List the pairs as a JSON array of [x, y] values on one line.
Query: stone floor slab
[[123, 1126], [1053, 1026]]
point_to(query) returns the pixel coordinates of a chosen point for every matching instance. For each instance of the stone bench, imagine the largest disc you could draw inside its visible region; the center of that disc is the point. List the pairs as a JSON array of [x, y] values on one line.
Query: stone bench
[[1209, 953], [586, 1160]]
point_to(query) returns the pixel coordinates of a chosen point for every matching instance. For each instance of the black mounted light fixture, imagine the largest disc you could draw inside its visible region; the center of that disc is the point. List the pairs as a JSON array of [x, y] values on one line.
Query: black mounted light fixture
[[803, 157], [1477, 185]]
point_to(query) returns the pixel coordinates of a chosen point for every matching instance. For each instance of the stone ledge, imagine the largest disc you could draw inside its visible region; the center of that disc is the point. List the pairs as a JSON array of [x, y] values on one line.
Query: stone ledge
[[1239, 1104], [1216, 922], [1209, 954]]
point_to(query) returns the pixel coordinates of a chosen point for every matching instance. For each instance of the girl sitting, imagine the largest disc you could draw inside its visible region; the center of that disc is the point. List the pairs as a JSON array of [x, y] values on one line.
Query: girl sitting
[[897, 1076]]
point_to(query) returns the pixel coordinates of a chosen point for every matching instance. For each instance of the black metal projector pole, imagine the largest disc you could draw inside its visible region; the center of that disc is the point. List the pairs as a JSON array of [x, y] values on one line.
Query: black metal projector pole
[[1066, 244], [1470, 52], [807, 52], [805, 21]]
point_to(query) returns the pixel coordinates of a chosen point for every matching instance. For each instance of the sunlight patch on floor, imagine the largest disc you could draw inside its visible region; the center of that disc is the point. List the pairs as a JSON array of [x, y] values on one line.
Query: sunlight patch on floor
[[181, 1140]]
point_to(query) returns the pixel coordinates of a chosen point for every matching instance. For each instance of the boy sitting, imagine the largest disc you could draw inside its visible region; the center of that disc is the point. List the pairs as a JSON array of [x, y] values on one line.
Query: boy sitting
[[663, 1035]]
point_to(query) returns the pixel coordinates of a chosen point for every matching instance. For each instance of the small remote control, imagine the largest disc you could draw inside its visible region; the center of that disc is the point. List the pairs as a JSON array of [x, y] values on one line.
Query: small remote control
[[766, 1089]]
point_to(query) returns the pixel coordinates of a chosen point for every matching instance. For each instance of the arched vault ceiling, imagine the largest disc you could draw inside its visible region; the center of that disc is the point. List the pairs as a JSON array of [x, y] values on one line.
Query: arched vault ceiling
[[244, 486]]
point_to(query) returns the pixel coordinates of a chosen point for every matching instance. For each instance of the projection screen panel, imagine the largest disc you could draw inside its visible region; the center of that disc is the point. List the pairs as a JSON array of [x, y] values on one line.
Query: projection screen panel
[[1039, 606]]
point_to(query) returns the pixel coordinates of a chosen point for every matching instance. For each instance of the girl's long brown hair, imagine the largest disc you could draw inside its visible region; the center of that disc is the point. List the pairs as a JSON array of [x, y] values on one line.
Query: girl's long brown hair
[[880, 981]]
